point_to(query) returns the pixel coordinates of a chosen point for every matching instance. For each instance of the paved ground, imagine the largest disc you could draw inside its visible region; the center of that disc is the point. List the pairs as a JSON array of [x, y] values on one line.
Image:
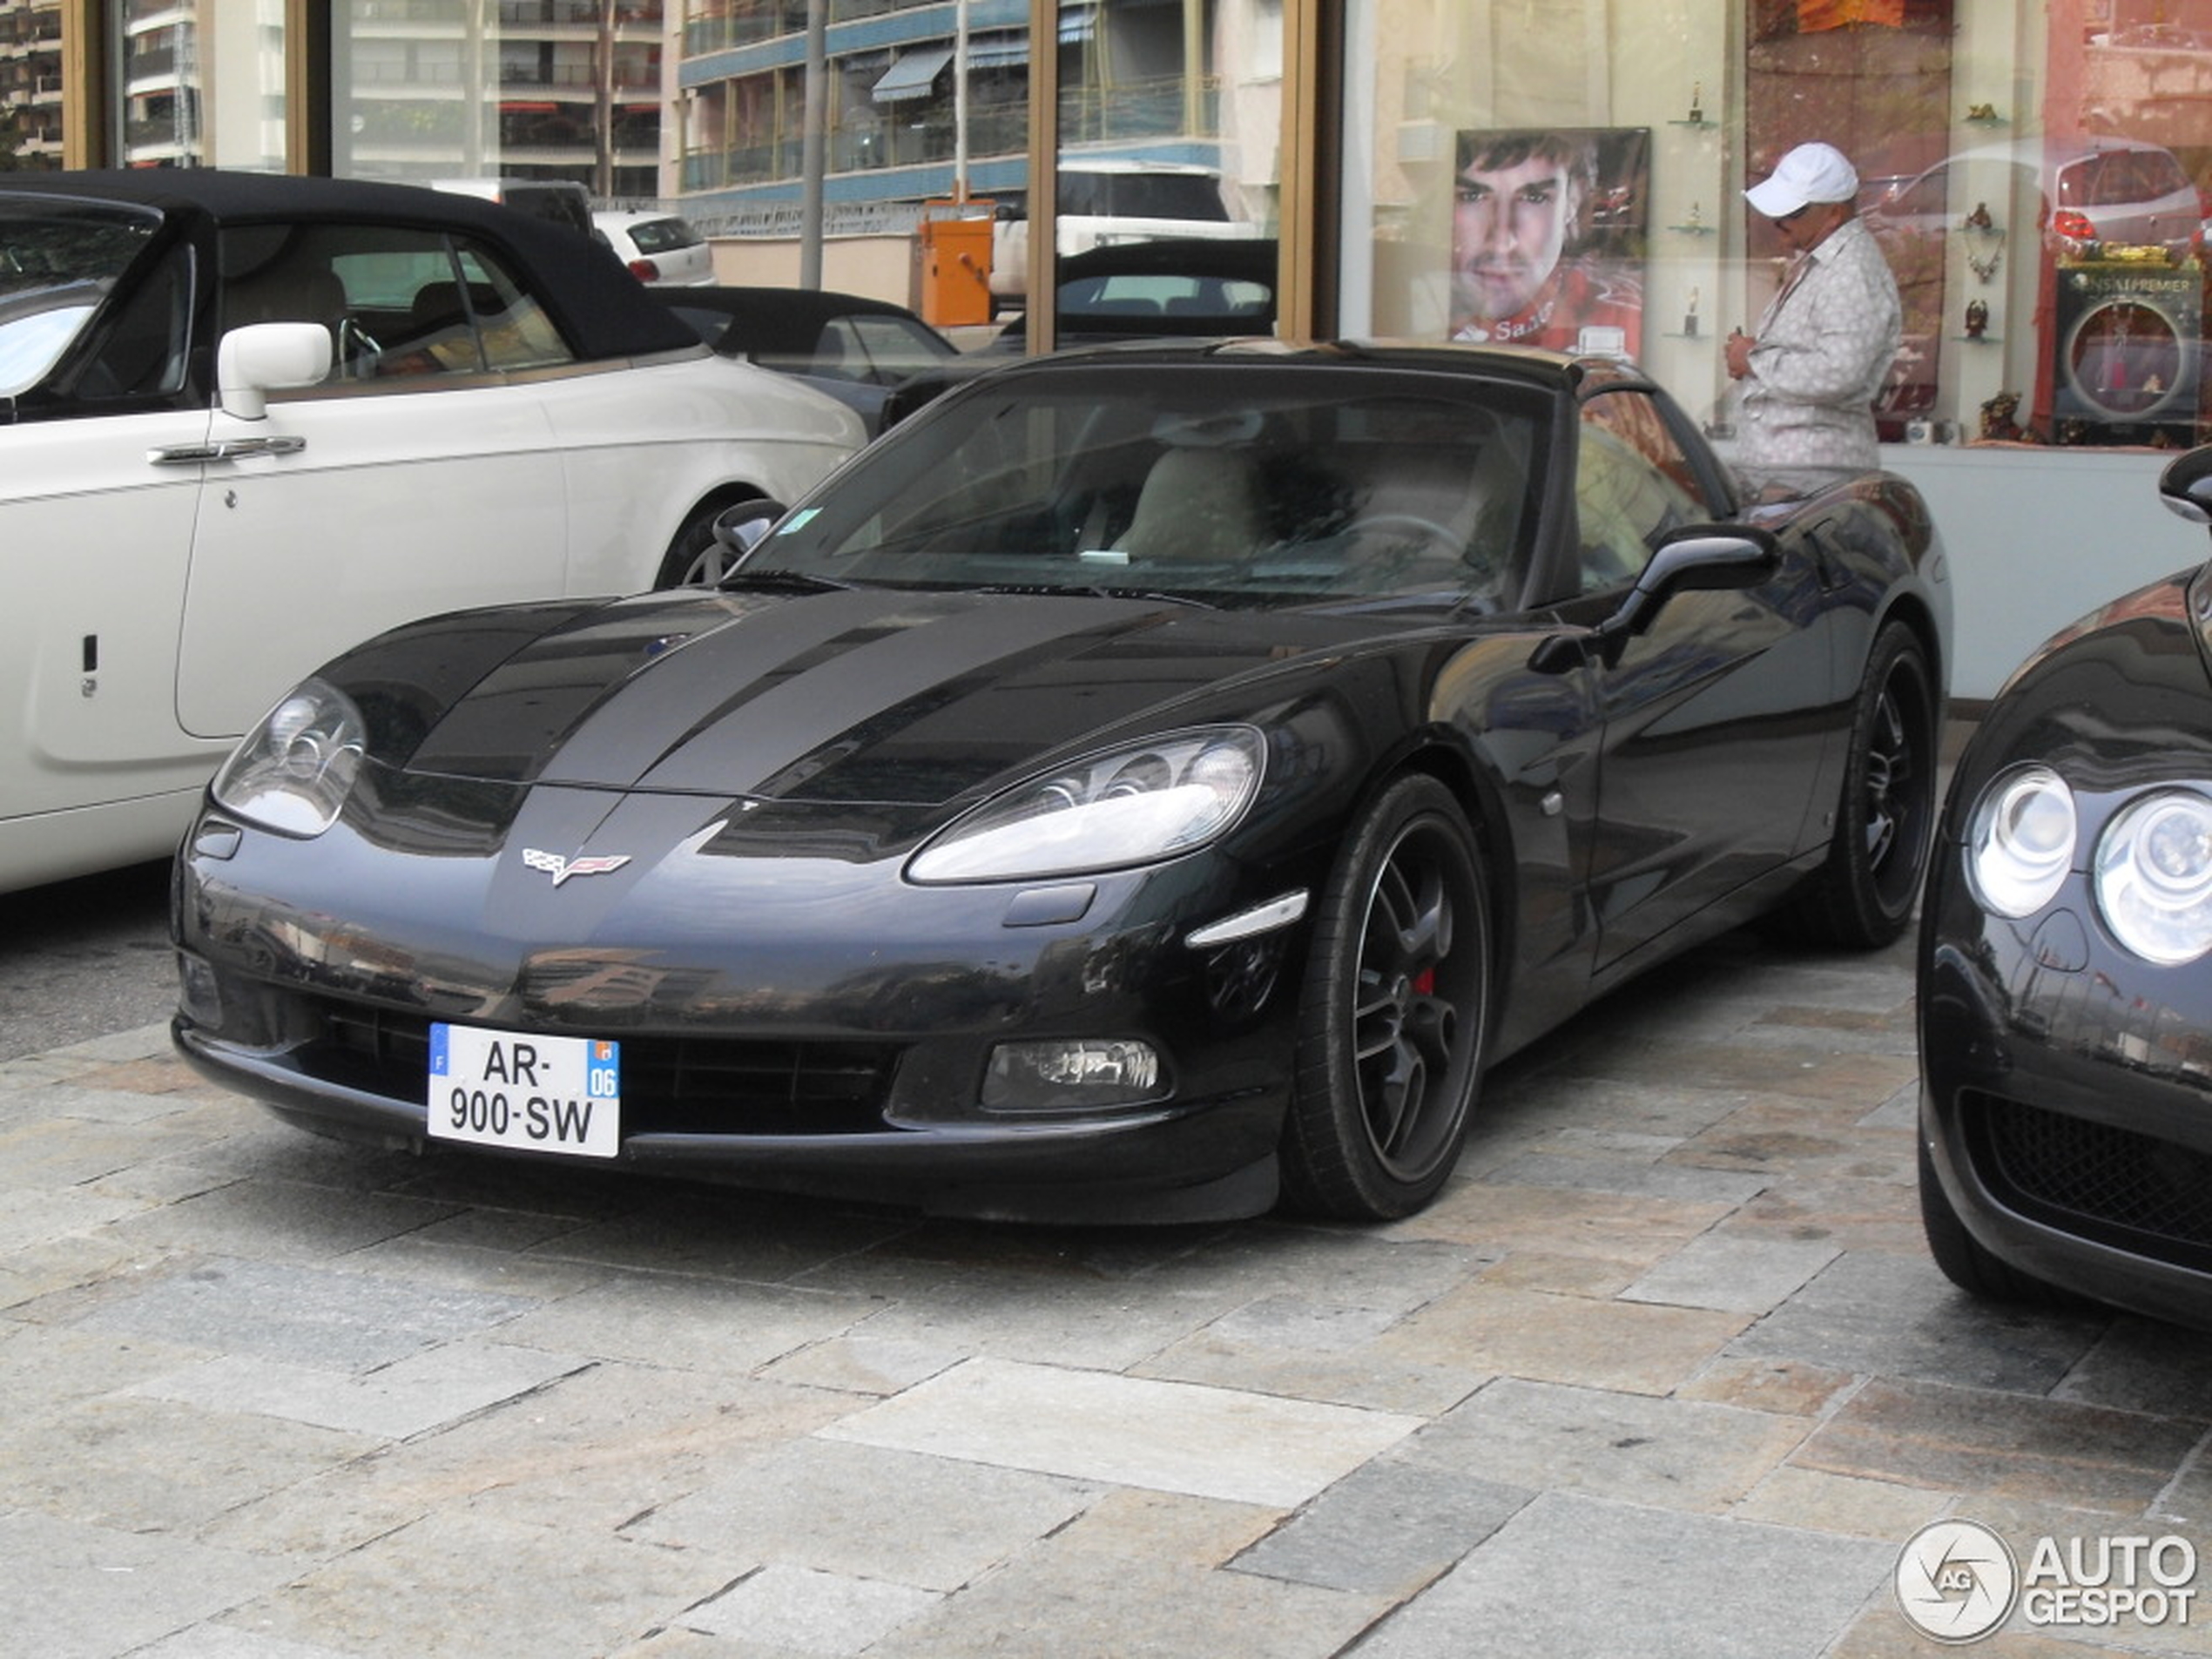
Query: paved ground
[[1667, 1372]]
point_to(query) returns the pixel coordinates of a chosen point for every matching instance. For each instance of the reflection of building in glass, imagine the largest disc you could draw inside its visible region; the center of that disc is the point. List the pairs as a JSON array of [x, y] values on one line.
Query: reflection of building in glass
[[528, 88], [161, 85], [170, 117], [1140, 80], [30, 83]]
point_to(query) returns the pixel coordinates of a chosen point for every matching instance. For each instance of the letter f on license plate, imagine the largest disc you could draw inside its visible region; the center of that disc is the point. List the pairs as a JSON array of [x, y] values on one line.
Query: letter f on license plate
[[536, 1094]]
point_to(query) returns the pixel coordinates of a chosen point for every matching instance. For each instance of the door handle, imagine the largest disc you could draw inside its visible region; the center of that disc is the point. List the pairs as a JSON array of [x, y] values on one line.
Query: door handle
[[192, 455]]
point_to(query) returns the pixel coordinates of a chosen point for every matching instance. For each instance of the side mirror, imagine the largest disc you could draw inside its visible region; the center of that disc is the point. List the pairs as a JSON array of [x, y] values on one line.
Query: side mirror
[[2186, 485], [1695, 558], [744, 527], [264, 357]]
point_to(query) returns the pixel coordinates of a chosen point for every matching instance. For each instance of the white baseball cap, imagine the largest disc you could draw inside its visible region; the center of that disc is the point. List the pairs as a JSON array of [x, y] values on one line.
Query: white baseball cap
[[1809, 173]]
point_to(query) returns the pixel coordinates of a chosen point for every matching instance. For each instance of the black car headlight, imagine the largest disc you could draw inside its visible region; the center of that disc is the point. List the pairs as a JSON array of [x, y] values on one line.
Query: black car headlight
[[293, 773], [2019, 844], [1119, 807], [2153, 876]]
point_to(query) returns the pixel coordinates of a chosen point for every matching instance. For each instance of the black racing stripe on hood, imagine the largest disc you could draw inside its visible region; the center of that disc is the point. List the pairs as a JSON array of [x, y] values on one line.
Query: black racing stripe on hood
[[794, 726], [529, 711]]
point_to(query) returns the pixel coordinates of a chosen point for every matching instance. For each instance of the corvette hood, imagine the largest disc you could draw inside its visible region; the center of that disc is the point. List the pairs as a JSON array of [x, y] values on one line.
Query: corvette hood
[[862, 695]]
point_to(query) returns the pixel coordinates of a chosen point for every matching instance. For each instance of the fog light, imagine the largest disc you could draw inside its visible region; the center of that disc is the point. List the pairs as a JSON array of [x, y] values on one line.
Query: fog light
[[1070, 1074]]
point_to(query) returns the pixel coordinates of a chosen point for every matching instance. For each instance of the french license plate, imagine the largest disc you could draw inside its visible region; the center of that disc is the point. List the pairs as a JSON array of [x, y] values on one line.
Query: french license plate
[[516, 1089]]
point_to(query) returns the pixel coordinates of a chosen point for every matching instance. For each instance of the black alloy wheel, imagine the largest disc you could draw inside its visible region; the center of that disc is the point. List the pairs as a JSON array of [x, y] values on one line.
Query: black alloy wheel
[[1393, 1013], [1864, 895]]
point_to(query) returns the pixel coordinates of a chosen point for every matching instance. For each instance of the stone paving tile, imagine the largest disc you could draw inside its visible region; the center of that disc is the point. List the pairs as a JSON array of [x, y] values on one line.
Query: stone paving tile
[[155, 1466], [1060, 1317], [1872, 1312], [1171, 1437], [587, 1456], [1308, 1350], [1668, 1585], [1645, 1178], [862, 1364], [2011, 1445], [31, 1216], [309, 1315], [1738, 1275], [805, 1611], [2141, 1366], [1636, 1347], [1853, 1214], [1548, 1105], [1136, 1575], [77, 1591], [1504, 1219], [704, 1324], [291, 1219], [461, 1585], [53, 1367], [1807, 1140], [857, 1511], [1676, 1454], [1389, 1527], [1879, 1510], [1786, 1387], [217, 1640], [397, 1401]]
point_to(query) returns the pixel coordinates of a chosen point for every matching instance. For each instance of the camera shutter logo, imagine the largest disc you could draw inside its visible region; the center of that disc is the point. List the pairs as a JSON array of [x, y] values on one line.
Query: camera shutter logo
[[1957, 1580]]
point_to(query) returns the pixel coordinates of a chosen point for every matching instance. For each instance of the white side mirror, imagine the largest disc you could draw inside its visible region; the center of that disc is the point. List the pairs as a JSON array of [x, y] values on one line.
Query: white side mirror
[[266, 357]]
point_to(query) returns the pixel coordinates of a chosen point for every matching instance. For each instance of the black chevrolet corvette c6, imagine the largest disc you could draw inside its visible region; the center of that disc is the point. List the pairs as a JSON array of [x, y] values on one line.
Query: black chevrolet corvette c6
[[1148, 783], [2066, 966]]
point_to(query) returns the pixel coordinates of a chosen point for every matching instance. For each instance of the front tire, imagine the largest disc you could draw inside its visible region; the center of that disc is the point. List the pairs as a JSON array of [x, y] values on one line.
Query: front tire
[[1967, 1264], [1393, 1014], [1863, 896]]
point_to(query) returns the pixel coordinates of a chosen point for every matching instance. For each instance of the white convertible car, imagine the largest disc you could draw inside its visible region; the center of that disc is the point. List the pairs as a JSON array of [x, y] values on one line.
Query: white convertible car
[[246, 421]]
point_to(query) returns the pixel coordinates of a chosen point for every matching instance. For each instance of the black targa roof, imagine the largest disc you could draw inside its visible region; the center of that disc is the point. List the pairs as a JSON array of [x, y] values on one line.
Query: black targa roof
[[597, 304]]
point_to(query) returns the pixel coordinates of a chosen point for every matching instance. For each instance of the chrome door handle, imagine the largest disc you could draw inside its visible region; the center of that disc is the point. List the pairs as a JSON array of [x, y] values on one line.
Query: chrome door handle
[[191, 454]]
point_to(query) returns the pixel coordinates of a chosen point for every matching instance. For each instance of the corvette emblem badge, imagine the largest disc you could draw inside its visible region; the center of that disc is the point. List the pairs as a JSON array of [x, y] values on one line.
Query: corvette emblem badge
[[560, 869]]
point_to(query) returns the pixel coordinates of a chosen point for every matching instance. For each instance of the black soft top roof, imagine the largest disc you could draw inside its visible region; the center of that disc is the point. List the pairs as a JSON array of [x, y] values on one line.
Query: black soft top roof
[[777, 318], [604, 311]]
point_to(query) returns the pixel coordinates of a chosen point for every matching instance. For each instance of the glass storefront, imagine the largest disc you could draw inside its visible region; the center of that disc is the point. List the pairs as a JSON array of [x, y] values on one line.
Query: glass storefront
[[1571, 170]]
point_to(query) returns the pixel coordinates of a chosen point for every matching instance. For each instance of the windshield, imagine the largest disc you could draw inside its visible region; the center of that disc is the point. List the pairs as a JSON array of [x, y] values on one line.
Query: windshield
[[57, 261], [1253, 484]]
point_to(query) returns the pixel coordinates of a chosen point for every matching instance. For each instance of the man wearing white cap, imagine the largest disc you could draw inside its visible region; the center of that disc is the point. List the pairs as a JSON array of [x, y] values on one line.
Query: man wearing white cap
[[1810, 374]]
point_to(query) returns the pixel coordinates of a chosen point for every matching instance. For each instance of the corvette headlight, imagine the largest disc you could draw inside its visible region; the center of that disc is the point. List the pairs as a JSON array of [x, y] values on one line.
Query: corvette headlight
[[2020, 843], [2153, 876], [293, 771], [1122, 806]]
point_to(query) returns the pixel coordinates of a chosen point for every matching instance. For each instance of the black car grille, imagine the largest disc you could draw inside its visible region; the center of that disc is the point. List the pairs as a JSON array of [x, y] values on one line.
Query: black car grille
[[670, 1085], [2115, 1186]]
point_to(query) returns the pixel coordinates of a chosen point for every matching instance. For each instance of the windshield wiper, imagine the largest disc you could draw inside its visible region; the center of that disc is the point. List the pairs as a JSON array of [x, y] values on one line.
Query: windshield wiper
[[1050, 590], [782, 581]]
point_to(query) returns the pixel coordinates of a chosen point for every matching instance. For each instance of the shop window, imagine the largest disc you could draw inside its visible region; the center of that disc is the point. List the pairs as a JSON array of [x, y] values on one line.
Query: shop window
[[2035, 174]]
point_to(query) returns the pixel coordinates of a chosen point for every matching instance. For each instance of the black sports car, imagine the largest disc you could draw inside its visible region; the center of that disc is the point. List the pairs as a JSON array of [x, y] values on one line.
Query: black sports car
[[2066, 966], [1149, 783]]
